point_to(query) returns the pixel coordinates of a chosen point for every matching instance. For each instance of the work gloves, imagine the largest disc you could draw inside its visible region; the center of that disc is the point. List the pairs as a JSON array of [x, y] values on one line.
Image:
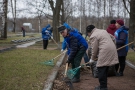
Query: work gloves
[[62, 50], [46, 31], [51, 37], [91, 61]]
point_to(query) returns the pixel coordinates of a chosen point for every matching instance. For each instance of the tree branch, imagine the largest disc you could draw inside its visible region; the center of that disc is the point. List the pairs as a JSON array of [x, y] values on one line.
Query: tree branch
[[51, 4], [47, 15], [126, 6], [129, 1]]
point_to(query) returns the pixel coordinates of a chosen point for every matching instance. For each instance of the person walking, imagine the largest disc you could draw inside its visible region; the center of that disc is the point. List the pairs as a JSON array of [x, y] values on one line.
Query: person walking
[[78, 47], [112, 28], [23, 31], [46, 35], [103, 47], [121, 36]]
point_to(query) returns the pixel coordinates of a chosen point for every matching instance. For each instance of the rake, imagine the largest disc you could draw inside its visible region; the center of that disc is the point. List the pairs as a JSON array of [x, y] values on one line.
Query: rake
[[72, 72], [54, 40], [51, 62], [67, 80]]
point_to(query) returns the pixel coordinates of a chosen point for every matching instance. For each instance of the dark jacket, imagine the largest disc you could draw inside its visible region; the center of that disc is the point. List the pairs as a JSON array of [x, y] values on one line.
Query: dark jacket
[[111, 29], [121, 36], [75, 42], [23, 30]]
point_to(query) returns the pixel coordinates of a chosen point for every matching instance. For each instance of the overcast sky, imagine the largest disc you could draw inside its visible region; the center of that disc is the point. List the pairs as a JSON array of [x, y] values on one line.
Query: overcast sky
[[26, 9], [22, 9]]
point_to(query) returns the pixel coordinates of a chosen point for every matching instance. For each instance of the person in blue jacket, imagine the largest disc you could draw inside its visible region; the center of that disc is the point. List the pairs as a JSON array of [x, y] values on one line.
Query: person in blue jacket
[[46, 35], [121, 36], [78, 47], [65, 45]]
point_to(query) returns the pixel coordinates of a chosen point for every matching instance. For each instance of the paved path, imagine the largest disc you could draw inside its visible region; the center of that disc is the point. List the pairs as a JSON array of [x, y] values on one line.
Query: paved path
[[27, 44]]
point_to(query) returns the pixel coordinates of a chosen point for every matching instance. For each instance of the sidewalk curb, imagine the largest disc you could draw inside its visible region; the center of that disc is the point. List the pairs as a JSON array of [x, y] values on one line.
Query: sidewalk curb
[[49, 82], [130, 64]]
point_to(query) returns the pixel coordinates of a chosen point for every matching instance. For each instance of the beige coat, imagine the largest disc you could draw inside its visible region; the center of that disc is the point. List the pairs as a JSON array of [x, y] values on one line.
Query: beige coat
[[103, 46]]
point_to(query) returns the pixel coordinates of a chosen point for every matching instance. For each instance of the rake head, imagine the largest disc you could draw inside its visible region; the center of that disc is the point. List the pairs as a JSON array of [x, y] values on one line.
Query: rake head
[[72, 72], [49, 62]]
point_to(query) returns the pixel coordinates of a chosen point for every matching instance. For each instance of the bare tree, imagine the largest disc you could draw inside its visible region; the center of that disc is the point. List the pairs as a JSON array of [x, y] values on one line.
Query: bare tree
[[4, 19], [70, 11], [104, 21], [63, 13], [56, 7], [81, 16], [14, 14], [40, 8], [98, 12], [119, 8], [132, 19]]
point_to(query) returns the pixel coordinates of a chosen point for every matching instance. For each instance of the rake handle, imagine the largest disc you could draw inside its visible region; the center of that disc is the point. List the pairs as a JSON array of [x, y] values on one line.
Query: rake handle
[[96, 58], [59, 54], [117, 50], [66, 69], [124, 46], [53, 40]]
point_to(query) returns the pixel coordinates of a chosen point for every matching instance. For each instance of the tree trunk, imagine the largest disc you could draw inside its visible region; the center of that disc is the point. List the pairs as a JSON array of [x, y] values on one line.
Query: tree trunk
[[15, 17], [4, 19], [104, 21], [56, 18], [14, 14], [39, 24], [63, 13], [56, 34], [132, 22]]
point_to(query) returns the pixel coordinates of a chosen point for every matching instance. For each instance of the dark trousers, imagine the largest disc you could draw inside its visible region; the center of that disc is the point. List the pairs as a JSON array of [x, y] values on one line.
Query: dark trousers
[[45, 43], [121, 64], [76, 62], [85, 56], [102, 76], [23, 33]]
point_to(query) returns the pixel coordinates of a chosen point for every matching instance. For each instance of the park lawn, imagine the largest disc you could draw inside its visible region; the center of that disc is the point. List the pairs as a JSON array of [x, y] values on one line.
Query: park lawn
[[39, 45], [131, 57], [21, 69]]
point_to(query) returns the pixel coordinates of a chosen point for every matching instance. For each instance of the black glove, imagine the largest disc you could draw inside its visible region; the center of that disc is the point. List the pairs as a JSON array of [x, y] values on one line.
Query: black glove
[[68, 61]]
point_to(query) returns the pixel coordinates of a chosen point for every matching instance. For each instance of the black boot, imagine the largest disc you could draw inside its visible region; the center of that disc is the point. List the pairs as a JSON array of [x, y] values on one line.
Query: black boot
[[121, 73], [117, 74], [98, 88]]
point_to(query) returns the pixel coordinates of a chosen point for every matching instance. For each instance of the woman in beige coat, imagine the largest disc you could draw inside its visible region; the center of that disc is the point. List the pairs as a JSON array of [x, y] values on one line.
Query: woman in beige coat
[[104, 48]]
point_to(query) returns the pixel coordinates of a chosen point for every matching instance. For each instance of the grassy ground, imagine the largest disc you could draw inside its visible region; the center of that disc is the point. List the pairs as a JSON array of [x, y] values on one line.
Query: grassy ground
[[131, 57], [20, 69], [12, 36], [39, 45], [17, 37]]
